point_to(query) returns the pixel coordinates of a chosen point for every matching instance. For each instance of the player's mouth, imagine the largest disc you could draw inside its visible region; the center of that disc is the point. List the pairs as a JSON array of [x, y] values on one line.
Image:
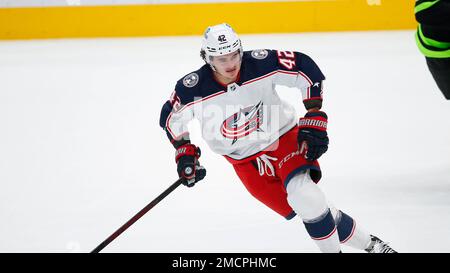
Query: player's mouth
[[231, 72]]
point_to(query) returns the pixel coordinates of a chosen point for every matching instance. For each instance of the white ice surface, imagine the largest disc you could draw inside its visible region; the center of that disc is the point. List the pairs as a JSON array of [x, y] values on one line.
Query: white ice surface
[[81, 150]]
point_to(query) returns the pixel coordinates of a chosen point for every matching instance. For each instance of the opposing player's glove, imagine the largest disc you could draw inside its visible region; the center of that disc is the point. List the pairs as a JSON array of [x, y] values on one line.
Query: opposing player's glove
[[188, 167], [313, 130]]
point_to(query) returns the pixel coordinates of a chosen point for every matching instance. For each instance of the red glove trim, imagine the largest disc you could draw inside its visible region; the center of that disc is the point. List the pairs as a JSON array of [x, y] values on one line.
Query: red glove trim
[[317, 122], [186, 149]]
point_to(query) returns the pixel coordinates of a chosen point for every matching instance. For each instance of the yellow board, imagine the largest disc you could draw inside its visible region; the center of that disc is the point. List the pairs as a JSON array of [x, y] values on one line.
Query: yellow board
[[191, 19]]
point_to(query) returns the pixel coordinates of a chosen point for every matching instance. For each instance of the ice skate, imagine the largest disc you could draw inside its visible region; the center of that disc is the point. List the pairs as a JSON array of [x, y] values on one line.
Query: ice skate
[[378, 246]]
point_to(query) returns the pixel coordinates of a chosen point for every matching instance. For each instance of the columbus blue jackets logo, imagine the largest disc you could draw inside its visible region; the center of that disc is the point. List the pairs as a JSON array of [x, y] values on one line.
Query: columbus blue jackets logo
[[243, 123], [260, 54], [190, 80]]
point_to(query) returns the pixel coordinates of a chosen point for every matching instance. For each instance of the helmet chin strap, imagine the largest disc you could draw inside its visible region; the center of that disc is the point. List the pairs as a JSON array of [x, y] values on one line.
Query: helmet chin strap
[[212, 67]]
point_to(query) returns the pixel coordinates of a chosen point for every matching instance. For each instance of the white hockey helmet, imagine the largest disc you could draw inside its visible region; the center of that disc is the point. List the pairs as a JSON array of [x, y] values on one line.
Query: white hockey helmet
[[220, 40]]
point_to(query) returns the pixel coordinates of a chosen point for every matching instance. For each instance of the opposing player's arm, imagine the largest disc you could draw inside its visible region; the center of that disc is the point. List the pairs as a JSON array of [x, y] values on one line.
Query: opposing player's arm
[[296, 69]]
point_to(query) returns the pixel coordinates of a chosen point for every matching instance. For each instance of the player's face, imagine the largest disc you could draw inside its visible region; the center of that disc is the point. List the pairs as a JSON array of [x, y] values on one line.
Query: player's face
[[228, 65]]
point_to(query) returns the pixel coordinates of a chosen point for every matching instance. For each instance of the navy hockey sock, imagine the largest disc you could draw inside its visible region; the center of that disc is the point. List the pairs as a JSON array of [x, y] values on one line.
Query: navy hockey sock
[[345, 227], [323, 231], [349, 233]]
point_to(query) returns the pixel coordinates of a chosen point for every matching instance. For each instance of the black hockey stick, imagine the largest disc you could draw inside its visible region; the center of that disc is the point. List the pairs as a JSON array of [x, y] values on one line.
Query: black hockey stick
[[136, 217]]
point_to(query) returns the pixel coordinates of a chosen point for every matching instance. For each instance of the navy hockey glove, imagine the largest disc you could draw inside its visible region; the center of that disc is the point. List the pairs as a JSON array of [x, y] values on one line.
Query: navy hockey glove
[[313, 130], [188, 167]]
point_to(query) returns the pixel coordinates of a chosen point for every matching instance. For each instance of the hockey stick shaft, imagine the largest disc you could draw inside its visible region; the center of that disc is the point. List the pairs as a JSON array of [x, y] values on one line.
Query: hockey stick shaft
[[136, 217]]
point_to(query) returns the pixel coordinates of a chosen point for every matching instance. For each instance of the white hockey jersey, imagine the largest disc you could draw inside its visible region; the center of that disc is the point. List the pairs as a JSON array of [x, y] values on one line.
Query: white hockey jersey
[[245, 117]]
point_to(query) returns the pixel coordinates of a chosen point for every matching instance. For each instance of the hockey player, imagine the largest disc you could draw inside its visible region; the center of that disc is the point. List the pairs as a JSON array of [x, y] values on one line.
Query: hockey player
[[243, 118], [433, 39]]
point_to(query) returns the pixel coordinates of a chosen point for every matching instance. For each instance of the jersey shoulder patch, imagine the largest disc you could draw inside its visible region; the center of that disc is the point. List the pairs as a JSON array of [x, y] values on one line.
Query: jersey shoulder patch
[[194, 85], [258, 63], [191, 80], [260, 54]]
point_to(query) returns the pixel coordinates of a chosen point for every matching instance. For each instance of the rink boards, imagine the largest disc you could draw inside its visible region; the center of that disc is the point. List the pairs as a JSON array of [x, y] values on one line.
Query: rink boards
[[191, 19]]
